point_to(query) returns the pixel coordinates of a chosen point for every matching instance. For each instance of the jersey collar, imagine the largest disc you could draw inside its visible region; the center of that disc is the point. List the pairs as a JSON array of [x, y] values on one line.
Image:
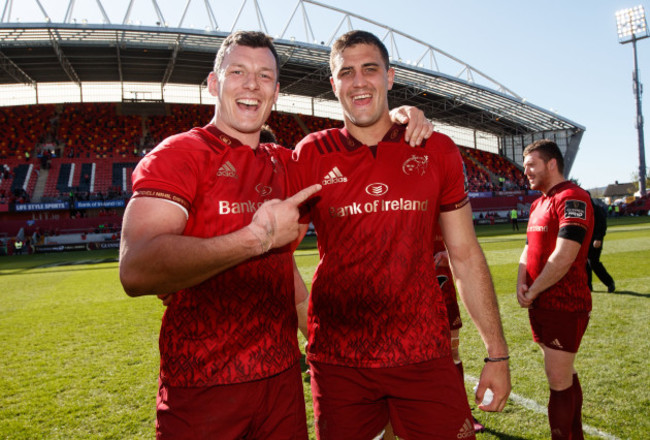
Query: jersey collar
[[394, 134], [223, 137], [557, 188]]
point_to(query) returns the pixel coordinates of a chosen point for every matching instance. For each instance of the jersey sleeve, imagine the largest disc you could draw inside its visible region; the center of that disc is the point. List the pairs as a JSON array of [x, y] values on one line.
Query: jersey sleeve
[[168, 173], [302, 173], [454, 184], [575, 215], [302, 169]]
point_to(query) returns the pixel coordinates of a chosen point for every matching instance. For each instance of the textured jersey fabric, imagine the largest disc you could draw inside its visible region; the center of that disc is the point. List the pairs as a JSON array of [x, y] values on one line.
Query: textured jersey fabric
[[240, 325], [375, 300], [565, 211]]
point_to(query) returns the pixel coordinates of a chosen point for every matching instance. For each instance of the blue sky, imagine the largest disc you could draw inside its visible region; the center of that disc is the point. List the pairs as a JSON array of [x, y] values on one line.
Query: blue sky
[[559, 55]]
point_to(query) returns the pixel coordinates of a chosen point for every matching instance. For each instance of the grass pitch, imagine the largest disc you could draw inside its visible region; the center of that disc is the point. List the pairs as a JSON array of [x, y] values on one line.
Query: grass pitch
[[80, 358]]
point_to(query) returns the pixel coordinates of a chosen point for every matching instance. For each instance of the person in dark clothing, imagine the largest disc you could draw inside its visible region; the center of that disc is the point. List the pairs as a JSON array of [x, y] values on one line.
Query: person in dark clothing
[[596, 248]]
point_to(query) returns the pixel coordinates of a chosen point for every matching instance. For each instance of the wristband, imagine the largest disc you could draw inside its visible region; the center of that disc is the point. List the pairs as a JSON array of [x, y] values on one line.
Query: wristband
[[499, 359]]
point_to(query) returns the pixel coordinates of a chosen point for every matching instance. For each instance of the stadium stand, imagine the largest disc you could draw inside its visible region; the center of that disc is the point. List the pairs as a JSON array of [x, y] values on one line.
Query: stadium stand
[[71, 154], [288, 128], [88, 151], [96, 130], [500, 167], [22, 128], [478, 179], [17, 180], [314, 123], [89, 179], [179, 118]]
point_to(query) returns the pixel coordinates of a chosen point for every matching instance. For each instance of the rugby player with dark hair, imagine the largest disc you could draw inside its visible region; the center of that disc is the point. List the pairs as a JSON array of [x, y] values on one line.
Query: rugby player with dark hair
[[552, 281], [210, 232], [379, 338]]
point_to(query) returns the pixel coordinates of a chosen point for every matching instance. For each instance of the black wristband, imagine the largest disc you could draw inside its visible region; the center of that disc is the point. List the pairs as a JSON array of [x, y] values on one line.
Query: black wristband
[[500, 359]]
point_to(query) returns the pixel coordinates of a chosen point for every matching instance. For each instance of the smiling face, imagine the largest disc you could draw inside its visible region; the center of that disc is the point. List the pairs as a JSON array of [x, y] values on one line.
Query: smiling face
[[246, 87], [360, 80], [538, 171]]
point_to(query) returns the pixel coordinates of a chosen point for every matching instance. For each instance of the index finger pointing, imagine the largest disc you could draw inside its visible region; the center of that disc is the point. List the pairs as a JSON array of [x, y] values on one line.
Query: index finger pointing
[[304, 194]]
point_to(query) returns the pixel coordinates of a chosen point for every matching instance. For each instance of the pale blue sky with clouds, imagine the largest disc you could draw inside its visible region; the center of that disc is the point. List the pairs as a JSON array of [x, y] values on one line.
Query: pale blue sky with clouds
[[559, 55]]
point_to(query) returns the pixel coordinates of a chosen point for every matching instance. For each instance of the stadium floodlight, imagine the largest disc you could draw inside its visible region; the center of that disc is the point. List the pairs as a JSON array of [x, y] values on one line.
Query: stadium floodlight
[[632, 26]]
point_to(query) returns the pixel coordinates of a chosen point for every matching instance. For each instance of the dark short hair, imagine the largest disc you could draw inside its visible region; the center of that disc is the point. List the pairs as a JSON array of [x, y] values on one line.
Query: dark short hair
[[353, 38], [252, 39], [548, 150]]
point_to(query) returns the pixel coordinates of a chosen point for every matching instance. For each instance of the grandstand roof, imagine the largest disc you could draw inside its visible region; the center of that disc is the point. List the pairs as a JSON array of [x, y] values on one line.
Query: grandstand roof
[[33, 53]]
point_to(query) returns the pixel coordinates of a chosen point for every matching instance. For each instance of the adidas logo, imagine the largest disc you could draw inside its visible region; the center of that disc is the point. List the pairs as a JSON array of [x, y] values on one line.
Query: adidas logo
[[556, 343], [467, 430], [227, 170], [334, 176]]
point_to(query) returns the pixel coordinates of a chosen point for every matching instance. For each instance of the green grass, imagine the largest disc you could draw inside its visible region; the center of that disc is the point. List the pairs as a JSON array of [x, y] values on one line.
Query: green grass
[[80, 358], [611, 363]]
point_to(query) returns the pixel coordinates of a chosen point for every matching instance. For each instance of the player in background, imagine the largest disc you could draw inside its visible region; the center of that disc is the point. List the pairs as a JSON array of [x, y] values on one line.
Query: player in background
[[552, 281], [379, 340], [596, 248]]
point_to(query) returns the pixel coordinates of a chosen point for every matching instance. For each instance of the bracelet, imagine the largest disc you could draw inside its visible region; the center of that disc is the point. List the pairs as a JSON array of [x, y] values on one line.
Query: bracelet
[[499, 359]]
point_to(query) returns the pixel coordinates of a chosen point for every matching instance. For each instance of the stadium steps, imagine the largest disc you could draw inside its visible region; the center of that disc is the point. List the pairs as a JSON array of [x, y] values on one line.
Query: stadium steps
[[85, 176], [24, 178], [64, 180], [39, 189], [121, 177]]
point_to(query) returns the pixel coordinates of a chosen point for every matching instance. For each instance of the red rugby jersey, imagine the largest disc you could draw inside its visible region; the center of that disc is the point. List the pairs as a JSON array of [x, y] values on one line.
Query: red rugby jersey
[[240, 325], [565, 205], [375, 300]]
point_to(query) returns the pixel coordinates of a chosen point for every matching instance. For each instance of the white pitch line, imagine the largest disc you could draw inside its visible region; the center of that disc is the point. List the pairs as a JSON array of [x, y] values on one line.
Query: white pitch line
[[536, 407]]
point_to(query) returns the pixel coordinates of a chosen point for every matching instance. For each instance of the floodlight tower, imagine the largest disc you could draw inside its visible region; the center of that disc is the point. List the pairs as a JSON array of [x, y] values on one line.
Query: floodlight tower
[[632, 26]]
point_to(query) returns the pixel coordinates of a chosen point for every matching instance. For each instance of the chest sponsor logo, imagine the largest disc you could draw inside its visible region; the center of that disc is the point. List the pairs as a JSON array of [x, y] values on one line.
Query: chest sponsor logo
[[226, 207], [263, 190], [378, 205], [377, 189], [537, 228], [416, 165], [334, 176], [227, 170], [575, 209]]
